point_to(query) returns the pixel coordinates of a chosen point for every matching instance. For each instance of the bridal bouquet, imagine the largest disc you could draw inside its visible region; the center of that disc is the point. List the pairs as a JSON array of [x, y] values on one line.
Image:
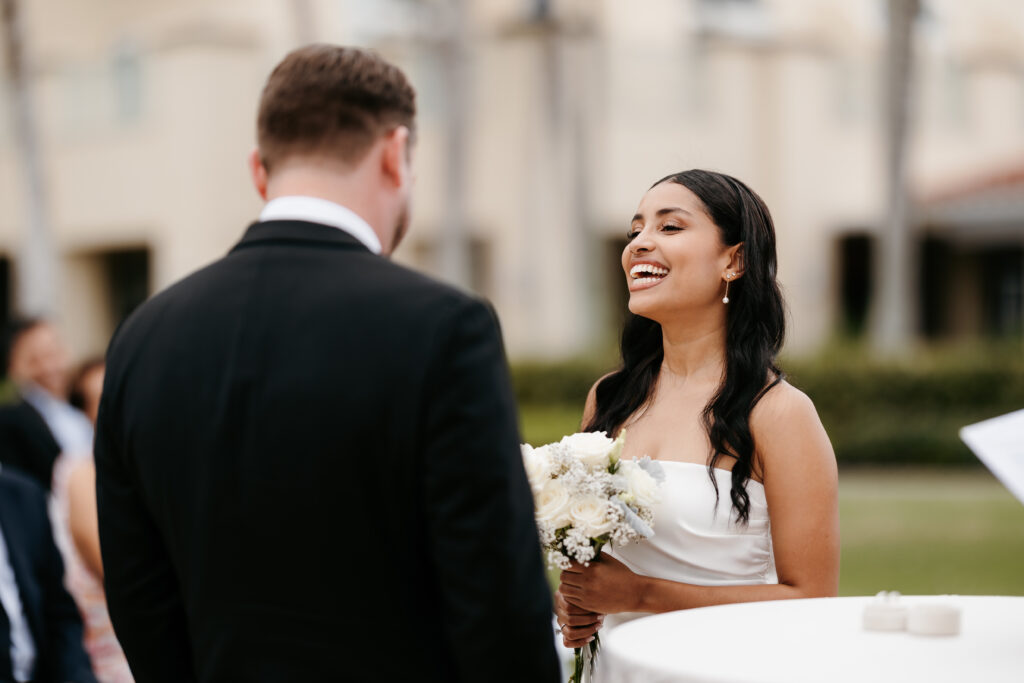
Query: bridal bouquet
[[586, 497]]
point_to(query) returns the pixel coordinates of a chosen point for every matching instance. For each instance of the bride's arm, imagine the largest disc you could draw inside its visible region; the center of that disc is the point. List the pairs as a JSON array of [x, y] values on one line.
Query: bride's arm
[[800, 480]]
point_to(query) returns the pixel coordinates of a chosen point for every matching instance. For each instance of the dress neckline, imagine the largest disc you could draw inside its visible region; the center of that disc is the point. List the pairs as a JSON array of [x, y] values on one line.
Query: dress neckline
[[718, 470]]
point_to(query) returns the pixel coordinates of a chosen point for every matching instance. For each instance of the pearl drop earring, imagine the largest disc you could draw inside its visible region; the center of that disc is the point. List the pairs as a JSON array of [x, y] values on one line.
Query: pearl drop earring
[[725, 299]]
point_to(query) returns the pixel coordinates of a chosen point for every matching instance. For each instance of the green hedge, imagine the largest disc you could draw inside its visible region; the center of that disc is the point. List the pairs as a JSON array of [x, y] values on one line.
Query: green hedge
[[876, 412]]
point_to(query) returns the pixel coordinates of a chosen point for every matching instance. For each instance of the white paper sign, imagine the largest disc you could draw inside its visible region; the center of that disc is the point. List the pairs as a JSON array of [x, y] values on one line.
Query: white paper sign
[[999, 443]]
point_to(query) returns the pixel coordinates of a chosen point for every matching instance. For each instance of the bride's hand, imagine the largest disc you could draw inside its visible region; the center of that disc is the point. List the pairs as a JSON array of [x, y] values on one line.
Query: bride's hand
[[605, 587], [578, 625]]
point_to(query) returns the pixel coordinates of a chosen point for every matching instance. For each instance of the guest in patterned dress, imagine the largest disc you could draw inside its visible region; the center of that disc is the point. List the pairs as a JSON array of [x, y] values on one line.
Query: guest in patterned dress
[[74, 514]]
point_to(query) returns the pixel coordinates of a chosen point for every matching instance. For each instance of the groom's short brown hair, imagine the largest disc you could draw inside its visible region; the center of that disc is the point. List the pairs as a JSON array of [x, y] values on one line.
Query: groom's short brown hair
[[332, 101]]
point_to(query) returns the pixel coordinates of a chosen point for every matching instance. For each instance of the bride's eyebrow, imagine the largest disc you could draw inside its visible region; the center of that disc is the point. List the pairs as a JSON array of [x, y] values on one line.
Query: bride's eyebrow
[[672, 209], [662, 212]]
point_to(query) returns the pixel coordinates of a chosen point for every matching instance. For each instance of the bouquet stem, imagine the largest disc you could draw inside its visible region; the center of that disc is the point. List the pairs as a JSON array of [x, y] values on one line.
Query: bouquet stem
[[588, 653], [583, 656]]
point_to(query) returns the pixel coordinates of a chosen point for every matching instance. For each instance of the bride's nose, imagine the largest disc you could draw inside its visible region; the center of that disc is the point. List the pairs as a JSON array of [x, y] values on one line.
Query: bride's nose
[[641, 244]]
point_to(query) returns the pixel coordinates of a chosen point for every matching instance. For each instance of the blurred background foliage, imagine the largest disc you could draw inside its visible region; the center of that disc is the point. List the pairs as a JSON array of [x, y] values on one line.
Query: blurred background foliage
[[883, 412]]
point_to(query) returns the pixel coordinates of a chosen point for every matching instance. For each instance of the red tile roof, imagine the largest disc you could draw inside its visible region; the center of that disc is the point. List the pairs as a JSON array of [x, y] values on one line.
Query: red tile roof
[[1001, 180]]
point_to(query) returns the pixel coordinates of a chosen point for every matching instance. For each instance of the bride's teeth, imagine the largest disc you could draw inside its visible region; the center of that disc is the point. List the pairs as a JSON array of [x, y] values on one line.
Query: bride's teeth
[[636, 270]]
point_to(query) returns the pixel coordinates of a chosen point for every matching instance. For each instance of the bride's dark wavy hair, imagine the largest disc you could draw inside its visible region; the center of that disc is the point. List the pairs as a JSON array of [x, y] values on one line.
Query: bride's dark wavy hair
[[755, 328]]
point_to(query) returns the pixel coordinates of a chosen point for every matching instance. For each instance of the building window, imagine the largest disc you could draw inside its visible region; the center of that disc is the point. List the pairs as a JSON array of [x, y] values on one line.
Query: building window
[[540, 10], [1002, 287], [426, 70], [127, 76], [937, 264], [701, 84], [101, 95], [100, 288], [856, 273], [848, 91], [85, 108], [955, 87], [369, 22], [127, 274], [426, 255], [740, 18]]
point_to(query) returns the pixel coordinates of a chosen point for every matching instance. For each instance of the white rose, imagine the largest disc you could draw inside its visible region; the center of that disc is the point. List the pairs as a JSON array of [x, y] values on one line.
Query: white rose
[[592, 448], [590, 515], [537, 462], [642, 487], [552, 503]]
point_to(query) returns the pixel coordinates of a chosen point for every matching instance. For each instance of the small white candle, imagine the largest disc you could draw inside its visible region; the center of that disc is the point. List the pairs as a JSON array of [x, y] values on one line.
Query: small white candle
[[885, 613], [934, 619]]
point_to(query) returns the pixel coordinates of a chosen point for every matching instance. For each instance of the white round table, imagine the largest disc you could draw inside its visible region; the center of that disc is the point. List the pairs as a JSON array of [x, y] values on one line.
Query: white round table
[[791, 641]]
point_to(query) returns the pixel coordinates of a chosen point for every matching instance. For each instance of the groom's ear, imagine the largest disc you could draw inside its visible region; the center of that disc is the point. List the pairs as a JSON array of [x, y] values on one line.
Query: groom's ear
[[395, 158], [258, 172]]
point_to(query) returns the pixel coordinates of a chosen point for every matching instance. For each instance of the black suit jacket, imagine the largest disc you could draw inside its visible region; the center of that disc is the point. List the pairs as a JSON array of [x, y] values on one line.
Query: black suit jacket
[[51, 612], [26, 442], [308, 469]]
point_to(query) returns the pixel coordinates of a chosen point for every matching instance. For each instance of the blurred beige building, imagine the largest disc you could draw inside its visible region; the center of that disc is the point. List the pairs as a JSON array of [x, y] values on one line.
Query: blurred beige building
[[542, 124]]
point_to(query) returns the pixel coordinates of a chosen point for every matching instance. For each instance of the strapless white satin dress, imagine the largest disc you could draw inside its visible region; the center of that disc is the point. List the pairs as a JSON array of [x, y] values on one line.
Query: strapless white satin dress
[[699, 542]]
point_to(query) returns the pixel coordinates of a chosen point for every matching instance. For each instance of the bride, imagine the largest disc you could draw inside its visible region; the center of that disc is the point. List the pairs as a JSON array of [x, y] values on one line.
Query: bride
[[749, 506]]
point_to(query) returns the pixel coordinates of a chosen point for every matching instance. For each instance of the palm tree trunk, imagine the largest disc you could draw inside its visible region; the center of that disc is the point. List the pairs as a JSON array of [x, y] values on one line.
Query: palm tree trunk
[[894, 302], [453, 246], [36, 270]]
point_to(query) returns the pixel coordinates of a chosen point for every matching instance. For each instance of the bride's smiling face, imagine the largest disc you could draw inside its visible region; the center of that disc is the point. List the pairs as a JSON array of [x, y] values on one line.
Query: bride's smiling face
[[675, 260]]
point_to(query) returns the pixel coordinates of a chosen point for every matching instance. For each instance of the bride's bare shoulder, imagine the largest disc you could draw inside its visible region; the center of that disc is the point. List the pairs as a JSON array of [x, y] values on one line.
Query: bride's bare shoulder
[[782, 401], [785, 425]]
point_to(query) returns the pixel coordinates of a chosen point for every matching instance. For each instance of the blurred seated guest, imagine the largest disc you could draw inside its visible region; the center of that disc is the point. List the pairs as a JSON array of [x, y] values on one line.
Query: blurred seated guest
[[39, 365], [77, 532], [27, 441], [40, 628]]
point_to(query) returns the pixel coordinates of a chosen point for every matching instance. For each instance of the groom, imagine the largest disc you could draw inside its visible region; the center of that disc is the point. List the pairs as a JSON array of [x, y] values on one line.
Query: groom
[[307, 456]]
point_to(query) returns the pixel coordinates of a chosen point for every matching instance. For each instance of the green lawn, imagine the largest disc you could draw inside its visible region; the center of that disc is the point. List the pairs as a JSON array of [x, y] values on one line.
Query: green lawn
[[918, 531], [929, 532], [546, 423]]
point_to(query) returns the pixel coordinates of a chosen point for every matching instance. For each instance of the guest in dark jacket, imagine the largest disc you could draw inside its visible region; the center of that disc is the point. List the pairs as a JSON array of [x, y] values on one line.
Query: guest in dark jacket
[[26, 442], [40, 628]]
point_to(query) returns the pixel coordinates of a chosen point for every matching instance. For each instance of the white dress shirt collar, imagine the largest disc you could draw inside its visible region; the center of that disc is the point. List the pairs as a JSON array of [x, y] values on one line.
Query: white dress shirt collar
[[316, 210]]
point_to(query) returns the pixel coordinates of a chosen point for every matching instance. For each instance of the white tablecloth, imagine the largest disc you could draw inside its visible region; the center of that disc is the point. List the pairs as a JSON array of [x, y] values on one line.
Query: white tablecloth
[[791, 641]]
